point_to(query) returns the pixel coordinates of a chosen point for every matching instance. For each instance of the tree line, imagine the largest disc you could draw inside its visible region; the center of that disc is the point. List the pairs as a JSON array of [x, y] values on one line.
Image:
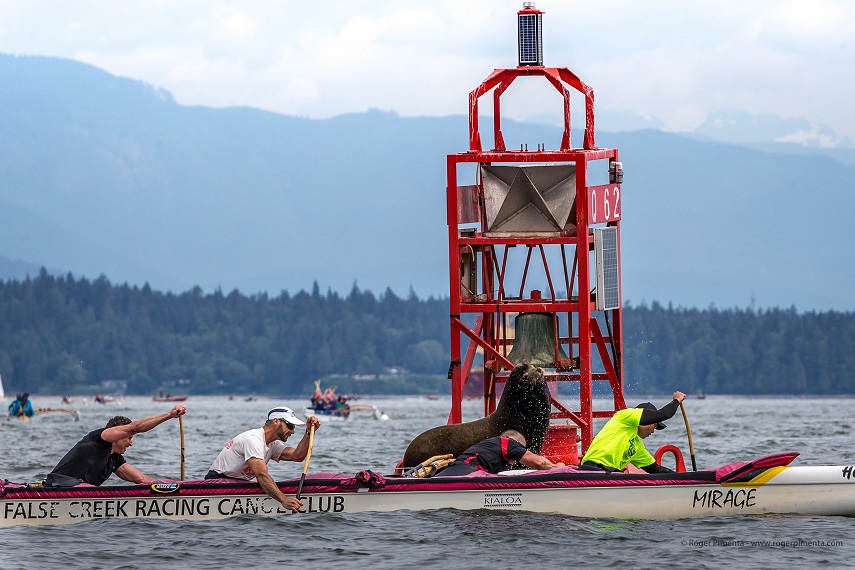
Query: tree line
[[66, 335], [60, 335], [739, 351]]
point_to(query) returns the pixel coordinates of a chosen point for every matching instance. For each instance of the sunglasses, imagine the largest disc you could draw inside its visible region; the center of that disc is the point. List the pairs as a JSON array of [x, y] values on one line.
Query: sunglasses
[[288, 424]]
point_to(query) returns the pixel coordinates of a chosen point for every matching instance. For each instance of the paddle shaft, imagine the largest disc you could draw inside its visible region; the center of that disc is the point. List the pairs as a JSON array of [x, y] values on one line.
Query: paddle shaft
[[306, 464], [181, 430], [689, 432]]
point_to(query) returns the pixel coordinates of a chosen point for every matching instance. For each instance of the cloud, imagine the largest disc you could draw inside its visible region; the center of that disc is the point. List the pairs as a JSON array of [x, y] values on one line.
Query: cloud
[[669, 59], [234, 26]]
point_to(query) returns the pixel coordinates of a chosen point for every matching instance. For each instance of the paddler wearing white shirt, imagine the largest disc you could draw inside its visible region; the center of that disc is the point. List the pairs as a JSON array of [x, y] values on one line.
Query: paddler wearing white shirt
[[246, 455]]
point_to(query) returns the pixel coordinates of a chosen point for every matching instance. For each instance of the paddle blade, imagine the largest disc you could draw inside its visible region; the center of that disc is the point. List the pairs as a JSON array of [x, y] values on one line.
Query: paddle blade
[[300, 486]]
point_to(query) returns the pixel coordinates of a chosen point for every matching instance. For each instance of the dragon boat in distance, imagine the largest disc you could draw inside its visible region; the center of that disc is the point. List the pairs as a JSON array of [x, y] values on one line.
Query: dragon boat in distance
[[768, 485]]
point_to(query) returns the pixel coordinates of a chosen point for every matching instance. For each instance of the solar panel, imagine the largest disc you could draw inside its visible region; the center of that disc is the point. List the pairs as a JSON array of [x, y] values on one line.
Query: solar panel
[[531, 39], [608, 281]]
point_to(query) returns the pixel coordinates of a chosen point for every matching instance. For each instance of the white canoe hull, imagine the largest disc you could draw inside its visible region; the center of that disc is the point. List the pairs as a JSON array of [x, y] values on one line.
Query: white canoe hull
[[780, 490]]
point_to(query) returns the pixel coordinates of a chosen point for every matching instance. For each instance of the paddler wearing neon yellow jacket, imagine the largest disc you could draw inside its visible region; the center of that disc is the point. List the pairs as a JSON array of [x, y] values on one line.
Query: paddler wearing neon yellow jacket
[[619, 442]]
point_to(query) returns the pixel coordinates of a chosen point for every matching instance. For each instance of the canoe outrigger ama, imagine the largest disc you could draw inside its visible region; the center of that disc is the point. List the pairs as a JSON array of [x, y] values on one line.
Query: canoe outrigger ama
[[518, 207]]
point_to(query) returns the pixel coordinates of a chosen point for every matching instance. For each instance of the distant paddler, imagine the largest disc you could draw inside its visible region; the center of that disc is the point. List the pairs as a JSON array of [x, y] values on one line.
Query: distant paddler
[[246, 455], [21, 407], [99, 454]]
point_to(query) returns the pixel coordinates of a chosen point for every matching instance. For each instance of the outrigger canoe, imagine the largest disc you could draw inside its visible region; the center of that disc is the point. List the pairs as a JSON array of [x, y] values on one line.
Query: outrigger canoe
[[325, 415], [342, 414], [768, 485], [41, 411]]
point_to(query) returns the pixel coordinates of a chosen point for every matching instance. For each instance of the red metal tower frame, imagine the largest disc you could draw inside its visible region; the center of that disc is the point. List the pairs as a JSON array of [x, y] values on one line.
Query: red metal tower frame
[[481, 316]]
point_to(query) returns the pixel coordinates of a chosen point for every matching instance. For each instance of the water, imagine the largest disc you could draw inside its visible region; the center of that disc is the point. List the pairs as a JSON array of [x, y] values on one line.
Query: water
[[724, 429]]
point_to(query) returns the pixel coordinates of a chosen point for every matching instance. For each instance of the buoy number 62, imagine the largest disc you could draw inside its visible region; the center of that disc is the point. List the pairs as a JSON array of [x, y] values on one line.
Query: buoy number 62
[[604, 203]]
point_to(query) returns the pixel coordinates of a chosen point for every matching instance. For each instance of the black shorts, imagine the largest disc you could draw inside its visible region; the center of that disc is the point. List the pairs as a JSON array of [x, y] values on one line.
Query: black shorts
[[591, 466]]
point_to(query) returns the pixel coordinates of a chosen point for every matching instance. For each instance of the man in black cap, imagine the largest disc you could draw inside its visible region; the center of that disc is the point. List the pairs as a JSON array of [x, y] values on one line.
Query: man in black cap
[[619, 442]]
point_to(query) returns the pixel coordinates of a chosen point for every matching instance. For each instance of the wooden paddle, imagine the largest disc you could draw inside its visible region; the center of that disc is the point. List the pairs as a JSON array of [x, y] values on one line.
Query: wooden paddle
[[306, 464], [181, 430], [689, 432]]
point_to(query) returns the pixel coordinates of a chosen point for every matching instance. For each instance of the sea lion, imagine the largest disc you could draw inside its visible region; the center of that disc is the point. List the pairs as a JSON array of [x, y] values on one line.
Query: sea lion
[[525, 407]]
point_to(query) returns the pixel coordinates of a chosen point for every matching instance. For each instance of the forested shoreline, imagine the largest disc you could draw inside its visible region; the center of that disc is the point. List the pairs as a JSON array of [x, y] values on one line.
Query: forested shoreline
[[66, 335]]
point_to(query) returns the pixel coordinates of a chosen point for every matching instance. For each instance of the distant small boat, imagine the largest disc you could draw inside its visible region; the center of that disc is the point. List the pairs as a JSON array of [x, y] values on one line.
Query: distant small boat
[[701, 395], [169, 398], [104, 399]]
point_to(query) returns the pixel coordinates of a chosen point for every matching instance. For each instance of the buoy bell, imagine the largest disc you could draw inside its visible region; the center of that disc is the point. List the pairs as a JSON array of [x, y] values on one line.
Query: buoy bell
[[534, 340]]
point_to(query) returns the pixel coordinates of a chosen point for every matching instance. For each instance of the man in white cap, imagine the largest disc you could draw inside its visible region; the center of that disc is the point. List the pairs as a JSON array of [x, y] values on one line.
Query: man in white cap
[[246, 455]]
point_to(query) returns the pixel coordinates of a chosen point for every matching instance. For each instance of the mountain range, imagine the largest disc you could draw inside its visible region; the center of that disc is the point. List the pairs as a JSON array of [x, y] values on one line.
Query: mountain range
[[103, 175]]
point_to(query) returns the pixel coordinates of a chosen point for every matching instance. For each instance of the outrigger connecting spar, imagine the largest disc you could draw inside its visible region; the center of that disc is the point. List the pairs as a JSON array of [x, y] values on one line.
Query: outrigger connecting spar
[[552, 214]]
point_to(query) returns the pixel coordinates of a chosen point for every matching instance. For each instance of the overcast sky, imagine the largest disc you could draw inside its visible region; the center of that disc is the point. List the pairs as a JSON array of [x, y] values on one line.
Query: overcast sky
[[676, 61]]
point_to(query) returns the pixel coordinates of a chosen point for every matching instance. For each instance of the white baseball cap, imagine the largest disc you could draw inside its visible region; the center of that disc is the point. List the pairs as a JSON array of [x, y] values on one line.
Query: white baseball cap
[[287, 414]]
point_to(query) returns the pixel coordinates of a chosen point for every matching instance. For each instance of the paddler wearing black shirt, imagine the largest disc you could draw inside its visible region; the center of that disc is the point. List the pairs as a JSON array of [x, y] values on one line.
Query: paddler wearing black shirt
[[99, 454], [495, 454]]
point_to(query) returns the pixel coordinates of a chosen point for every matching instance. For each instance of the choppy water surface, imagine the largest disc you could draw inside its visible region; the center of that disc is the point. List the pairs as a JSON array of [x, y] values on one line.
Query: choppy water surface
[[724, 429]]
